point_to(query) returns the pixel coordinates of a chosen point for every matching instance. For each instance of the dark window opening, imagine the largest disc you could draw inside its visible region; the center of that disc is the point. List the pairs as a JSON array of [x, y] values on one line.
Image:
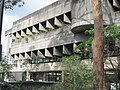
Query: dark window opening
[[52, 21], [37, 26], [19, 32], [60, 19], [30, 28], [14, 34], [35, 53], [39, 60], [12, 56], [43, 24], [17, 55], [24, 30], [55, 76], [68, 49], [23, 54], [69, 15], [29, 54]]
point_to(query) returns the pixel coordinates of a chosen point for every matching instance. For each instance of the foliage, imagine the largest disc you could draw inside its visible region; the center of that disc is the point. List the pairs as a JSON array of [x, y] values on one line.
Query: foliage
[[111, 34], [111, 40], [111, 48], [77, 76], [85, 48], [43, 31], [18, 39], [33, 36], [68, 60], [26, 38], [4, 69], [48, 29], [5, 73], [9, 4], [36, 60], [62, 23]]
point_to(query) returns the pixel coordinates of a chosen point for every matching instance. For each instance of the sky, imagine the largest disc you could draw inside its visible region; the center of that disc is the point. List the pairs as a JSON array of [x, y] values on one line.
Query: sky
[[12, 15]]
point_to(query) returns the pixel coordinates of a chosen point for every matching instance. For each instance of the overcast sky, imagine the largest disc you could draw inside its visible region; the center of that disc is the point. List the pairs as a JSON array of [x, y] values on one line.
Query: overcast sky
[[12, 15]]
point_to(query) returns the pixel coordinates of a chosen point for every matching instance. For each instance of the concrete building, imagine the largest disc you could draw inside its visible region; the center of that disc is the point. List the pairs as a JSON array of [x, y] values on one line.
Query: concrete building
[[37, 41]]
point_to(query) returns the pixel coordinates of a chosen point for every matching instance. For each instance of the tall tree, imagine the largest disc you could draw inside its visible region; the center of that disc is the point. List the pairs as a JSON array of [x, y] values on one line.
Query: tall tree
[[98, 46]]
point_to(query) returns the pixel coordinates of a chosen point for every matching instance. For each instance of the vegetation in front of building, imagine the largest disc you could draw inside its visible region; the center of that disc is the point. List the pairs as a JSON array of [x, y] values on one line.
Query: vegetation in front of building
[[80, 76]]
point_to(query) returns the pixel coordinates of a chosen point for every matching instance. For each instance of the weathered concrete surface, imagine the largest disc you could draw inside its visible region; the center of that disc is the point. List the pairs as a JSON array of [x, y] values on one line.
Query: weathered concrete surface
[[48, 12], [82, 19], [82, 15]]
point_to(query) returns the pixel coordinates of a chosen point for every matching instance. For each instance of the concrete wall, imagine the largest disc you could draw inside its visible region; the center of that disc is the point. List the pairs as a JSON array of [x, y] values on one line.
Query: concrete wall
[[7, 43], [44, 14], [82, 14], [50, 39]]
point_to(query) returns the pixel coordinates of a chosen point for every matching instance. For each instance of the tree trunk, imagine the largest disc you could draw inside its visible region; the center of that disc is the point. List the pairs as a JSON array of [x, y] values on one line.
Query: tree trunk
[[98, 46]]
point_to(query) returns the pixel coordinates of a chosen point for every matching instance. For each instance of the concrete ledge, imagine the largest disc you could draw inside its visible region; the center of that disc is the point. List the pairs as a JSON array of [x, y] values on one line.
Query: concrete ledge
[[81, 26]]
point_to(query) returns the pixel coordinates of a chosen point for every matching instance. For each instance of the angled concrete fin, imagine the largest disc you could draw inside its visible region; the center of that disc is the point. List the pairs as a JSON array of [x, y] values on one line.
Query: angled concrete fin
[[28, 32], [48, 53], [34, 30], [12, 57], [22, 33], [13, 36], [66, 19], [39, 53], [75, 49], [21, 56], [18, 35], [116, 3], [49, 25], [66, 50], [57, 51], [16, 57], [57, 22], [41, 27], [27, 56], [33, 54]]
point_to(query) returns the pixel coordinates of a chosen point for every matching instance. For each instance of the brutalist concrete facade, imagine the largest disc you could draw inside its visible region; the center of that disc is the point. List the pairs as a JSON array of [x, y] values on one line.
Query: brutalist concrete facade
[[51, 33]]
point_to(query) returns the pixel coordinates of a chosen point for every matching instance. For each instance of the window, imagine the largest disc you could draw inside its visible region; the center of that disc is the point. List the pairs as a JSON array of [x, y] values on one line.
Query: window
[[55, 76], [36, 60], [115, 5]]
